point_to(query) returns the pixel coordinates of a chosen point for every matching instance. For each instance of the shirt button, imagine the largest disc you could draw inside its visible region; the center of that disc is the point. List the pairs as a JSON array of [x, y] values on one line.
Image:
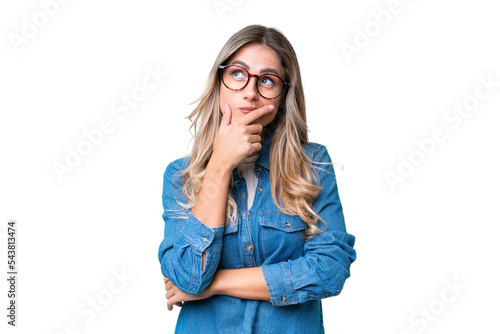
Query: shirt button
[[288, 224], [249, 247], [243, 195], [258, 169], [283, 299], [244, 216], [260, 189], [249, 213], [204, 239]]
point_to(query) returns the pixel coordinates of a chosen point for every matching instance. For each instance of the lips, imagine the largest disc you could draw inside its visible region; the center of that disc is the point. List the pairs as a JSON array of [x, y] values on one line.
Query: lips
[[246, 109]]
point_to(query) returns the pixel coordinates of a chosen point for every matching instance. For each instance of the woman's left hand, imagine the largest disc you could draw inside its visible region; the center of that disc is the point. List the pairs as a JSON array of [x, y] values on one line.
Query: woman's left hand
[[176, 296]]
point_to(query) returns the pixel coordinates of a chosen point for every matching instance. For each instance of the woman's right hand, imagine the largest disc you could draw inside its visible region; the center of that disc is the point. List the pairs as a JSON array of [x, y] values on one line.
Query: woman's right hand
[[238, 140]]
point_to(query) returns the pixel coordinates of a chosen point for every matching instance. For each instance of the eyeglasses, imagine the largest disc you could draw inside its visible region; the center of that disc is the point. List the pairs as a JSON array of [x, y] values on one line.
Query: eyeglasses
[[236, 78]]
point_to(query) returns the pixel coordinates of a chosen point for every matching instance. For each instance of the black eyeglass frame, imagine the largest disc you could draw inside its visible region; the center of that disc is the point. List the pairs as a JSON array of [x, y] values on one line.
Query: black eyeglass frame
[[285, 83]]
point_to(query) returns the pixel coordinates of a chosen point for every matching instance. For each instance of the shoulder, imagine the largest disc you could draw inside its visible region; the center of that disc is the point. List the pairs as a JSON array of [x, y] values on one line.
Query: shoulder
[[176, 167], [321, 162], [315, 151]]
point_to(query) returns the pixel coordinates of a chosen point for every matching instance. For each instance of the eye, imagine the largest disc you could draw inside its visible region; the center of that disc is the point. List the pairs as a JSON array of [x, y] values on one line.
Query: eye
[[269, 81], [238, 73]]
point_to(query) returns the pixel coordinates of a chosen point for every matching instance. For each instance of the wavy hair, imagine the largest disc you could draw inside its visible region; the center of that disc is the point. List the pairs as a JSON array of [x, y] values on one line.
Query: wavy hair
[[293, 178]]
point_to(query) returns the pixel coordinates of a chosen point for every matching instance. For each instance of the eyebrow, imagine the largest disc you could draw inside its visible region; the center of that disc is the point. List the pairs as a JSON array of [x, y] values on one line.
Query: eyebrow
[[264, 70]]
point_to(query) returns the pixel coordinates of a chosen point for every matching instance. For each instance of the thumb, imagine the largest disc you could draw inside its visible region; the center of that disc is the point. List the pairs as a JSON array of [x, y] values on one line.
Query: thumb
[[226, 116]]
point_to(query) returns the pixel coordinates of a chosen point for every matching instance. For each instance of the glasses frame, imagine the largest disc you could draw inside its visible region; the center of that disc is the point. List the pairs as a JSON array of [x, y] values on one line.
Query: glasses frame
[[285, 83]]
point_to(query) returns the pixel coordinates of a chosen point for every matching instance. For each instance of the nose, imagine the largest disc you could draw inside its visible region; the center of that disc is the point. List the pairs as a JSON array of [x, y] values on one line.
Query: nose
[[250, 91]]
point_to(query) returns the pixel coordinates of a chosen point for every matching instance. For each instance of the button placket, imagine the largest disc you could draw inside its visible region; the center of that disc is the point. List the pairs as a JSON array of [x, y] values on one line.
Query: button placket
[[245, 237], [257, 171]]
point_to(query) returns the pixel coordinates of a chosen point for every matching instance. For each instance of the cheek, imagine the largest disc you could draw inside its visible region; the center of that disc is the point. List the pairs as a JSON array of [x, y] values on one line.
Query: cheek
[[224, 97]]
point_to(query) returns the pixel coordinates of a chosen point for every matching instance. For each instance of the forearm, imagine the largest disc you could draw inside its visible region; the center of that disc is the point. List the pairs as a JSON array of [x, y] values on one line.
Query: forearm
[[245, 283], [210, 206]]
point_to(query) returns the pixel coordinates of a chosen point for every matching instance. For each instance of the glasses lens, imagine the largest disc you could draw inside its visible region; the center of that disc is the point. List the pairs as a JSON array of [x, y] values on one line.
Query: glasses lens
[[236, 77], [270, 86]]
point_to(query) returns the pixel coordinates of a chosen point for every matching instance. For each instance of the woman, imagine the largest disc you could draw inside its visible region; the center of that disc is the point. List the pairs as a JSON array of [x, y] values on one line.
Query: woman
[[254, 230]]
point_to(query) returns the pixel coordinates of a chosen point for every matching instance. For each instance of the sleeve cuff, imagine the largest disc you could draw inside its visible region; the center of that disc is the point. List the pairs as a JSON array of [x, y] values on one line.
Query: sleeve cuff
[[279, 283], [201, 236]]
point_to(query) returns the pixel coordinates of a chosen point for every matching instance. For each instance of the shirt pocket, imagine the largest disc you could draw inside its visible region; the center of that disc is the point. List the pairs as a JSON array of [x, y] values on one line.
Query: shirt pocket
[[230, 252], [282, 236]]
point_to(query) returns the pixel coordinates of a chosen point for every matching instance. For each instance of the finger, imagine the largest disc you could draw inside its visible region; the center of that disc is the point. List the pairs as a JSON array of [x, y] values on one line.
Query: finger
[[254, 139], [254, 128], [257, 113], [256, 146], [226, 116], [169, 303], [165, 279], [170, 294]]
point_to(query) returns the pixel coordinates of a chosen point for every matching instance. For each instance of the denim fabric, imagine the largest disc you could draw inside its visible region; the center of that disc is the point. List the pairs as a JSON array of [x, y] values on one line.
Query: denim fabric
[[298, 273]]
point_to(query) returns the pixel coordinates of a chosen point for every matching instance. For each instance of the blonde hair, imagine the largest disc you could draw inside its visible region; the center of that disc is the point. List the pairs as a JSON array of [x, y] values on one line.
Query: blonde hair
[[292, 178]]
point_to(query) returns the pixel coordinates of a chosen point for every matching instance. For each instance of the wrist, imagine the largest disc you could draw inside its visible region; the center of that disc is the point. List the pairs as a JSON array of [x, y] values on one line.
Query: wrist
[[217, 168], [215, 286]]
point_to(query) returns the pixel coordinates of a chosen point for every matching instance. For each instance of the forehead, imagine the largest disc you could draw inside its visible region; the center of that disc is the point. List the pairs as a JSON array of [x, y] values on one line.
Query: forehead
[[258, 57]]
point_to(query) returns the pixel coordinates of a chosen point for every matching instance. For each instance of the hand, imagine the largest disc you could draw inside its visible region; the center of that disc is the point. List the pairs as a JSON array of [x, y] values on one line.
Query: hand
[[238, 140], [176, 297]]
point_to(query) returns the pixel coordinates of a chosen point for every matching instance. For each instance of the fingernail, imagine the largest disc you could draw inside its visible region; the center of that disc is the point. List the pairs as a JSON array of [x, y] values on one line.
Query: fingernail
[[271, 107]]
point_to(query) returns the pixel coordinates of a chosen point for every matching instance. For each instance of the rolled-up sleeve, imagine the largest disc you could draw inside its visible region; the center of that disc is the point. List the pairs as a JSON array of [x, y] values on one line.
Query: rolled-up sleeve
[[185, 239], [325, 266]]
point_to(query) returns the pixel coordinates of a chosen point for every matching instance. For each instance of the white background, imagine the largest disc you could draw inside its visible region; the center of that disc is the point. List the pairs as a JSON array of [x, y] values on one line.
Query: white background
[[440, 225]]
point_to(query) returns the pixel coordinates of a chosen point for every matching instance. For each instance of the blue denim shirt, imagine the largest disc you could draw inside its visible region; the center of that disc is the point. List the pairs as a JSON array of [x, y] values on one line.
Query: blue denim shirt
[[298, 273]]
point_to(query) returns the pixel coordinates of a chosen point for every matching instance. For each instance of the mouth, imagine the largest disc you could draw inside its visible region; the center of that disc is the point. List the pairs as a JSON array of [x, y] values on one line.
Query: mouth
[[246, 110]]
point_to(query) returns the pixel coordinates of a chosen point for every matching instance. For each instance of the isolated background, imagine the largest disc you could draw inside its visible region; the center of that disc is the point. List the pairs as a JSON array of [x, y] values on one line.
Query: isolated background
[[440, 225]]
